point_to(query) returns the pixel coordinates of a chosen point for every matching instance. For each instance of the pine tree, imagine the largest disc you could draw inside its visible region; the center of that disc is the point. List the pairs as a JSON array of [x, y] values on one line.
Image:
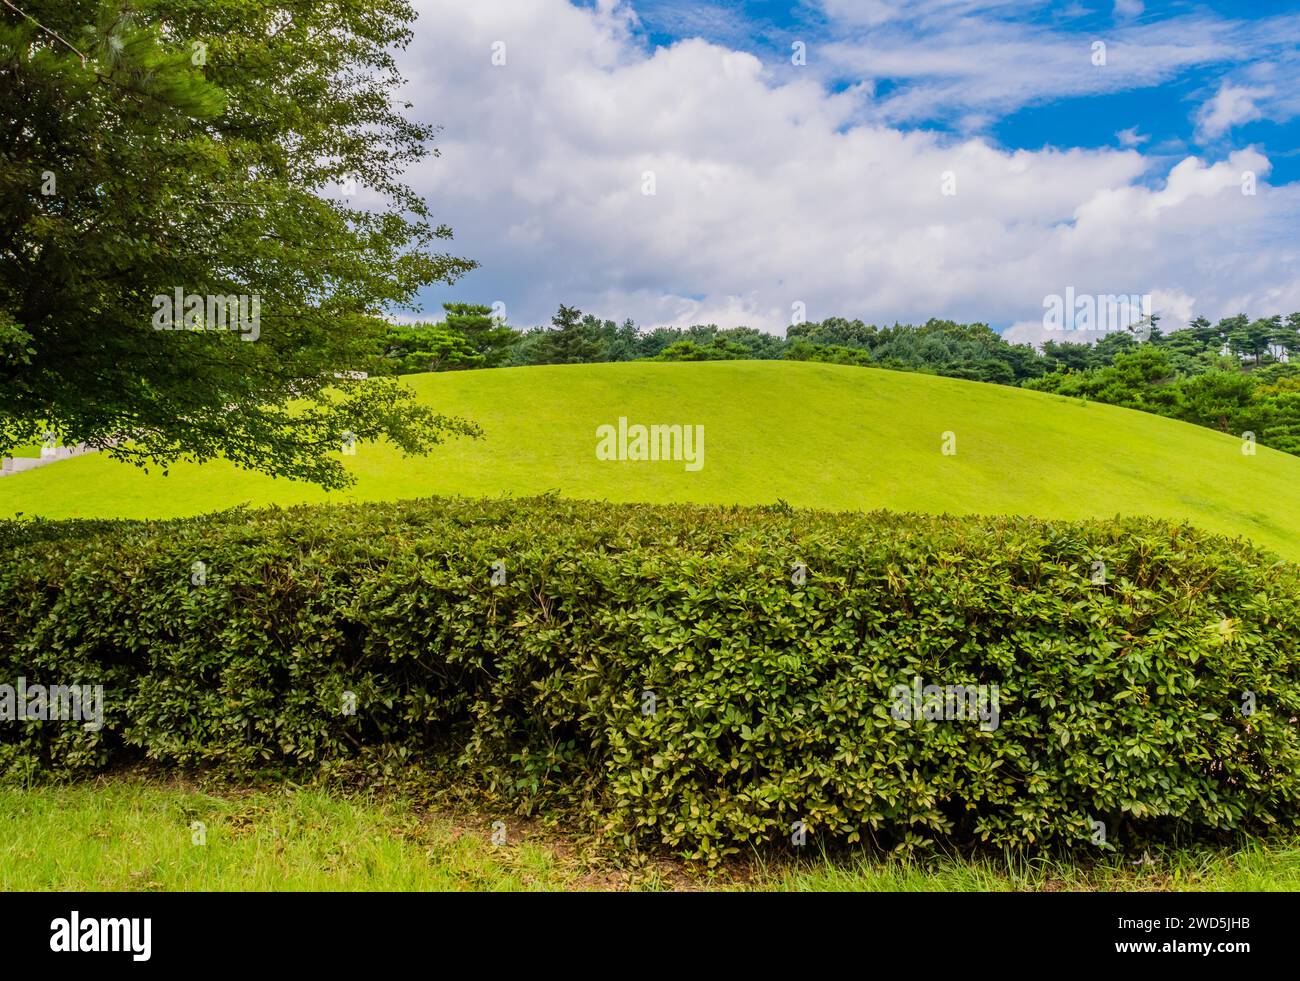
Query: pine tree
[[569, 340], [488, 337]]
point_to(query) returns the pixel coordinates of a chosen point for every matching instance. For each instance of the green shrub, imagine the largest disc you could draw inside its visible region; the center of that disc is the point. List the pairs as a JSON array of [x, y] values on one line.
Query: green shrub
[[1120, 702]]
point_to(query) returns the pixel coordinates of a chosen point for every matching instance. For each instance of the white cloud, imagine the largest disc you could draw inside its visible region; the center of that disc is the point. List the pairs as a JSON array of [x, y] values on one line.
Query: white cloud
[[948, 60], [869, 13], [771, 192], [968, 61], [1131, 137], [1128, 9], [1231, 106]]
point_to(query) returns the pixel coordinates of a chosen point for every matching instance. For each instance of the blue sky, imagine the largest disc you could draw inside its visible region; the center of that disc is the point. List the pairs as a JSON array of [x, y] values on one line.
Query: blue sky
[[779, 184], [1162, 112]]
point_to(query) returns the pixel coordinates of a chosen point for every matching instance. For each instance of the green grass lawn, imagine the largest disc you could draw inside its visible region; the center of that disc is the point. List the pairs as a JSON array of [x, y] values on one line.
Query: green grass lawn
[[129, 835], [815, 435], [135, 834]]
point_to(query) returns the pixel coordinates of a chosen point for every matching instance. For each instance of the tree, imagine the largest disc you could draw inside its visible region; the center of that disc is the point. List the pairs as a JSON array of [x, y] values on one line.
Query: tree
[[1110, 346], [719, 349], [1252, 338], [755, 343], [1190, 355], [569, 341], [413, 348], [1207, 334], [486, 336], [624, 344], [1067, 355], [204, 151], [1141, 378], [835, 331], [1279, 336], [1293, 334], [803, 350], [1228, 326], [1218, 400]]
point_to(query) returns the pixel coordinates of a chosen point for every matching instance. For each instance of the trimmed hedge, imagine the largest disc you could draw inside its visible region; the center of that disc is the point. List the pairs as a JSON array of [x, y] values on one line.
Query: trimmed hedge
[[1120, 702]]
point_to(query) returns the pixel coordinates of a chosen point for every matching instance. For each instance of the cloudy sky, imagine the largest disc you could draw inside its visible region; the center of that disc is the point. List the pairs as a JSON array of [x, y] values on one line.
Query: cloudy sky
[[881, 159]]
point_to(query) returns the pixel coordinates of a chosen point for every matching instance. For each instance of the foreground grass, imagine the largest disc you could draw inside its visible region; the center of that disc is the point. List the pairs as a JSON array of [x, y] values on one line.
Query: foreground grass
[[133, 834], [1251, 869], [821, 436]]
